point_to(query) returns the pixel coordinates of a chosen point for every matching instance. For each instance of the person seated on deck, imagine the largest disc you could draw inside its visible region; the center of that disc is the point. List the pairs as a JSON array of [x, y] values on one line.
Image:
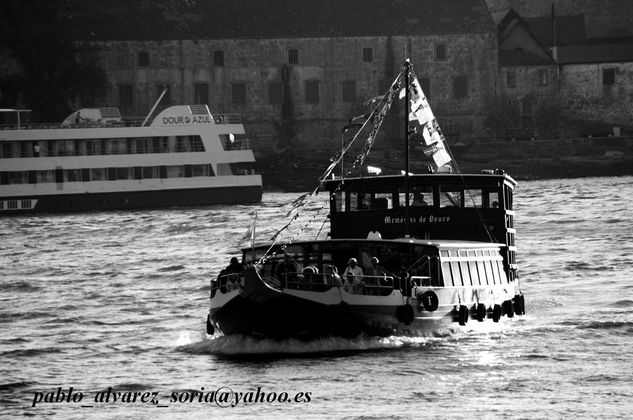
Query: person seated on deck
[[353, 277], [287, 271], [418, 199], [311, 279], [331, 276], [233, 273]]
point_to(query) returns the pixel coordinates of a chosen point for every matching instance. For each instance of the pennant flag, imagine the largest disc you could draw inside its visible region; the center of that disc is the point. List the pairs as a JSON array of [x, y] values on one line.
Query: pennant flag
[[250, 232]]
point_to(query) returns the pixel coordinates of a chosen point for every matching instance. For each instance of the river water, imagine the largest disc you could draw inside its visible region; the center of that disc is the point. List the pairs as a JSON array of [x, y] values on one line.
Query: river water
[[117, 302]]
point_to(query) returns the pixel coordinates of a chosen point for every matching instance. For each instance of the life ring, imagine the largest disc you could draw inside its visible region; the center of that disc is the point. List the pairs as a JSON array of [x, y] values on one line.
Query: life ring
[[481, 312], [496, 313], [210, 329], [430, 301], [508, 308], [463, 315], [405, 314]]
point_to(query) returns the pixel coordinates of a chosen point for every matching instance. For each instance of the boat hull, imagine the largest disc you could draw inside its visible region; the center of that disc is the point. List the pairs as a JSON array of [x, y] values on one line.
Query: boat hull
[[123, 200], [259, 310]]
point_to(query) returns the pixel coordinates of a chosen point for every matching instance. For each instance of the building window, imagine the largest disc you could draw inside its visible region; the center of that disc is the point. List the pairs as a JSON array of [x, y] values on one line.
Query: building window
[[275, 93], [349, 90], [542, 78], [143, 59], [425, 84], [368, 55], [608, 77], [460, 87], [238, 93], [440, 52], [218, 58], [293, 56], [201, 93], [126, 97], [166, 100], [511, 79], [312, 91]]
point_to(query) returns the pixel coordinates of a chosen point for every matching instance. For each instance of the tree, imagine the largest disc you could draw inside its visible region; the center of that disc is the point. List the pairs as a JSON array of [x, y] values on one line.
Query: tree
[[54, 69]]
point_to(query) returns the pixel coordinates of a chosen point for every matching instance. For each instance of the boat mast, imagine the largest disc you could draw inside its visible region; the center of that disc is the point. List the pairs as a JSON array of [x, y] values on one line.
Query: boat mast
[[407, 71]]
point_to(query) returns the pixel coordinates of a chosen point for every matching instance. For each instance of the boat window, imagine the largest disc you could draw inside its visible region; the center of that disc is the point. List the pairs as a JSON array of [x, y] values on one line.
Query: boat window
[[7, 149], [382, 201], [444, 253], [451, 198], [473, 198], [124, 173], [72, 175], [150, 172], [175, 171], [493, 199], [456, 273], [463, 265], [339, 201], [45, 176]]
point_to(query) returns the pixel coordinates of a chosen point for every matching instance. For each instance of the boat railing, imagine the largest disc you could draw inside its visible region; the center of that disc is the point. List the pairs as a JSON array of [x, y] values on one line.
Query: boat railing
[[124, 122], [226, 283], [321, 282]]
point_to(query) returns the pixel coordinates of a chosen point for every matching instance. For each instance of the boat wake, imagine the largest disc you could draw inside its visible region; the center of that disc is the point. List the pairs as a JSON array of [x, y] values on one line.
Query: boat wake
[[239, 345]]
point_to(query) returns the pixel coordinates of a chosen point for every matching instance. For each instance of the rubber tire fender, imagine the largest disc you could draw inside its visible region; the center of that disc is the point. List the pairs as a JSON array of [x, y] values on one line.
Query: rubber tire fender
[[481, 312], [430, 301], [463, 315], [496, 312]]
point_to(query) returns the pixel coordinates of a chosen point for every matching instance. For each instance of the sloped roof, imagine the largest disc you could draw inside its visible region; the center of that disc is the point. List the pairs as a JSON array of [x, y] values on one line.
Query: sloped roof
[[237, 19], [570, 30], [514, 58], [606, 53]]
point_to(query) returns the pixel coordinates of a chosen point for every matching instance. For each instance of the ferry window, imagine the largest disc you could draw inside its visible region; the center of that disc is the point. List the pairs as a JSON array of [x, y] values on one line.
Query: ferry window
[[224, 169], [85, 175], [188, 171], [98, 174], [495, 272], [368, 55], [4, 178], [473, 198], [238, 93], [61, 148], [421, 196], [175, 171], [339, 201], [45, 176], [150, 172], [18, 177], [138, 172], [353, 201], [451, 199], [293, 56], [465, 272], [489, 271], [72, 175], [7, 150], [312, 91], [218, 58], [143, 59], [200, 170], [201, 93], [162, 171], [124, 173], [349, 91], [460, 87], [181, 144]]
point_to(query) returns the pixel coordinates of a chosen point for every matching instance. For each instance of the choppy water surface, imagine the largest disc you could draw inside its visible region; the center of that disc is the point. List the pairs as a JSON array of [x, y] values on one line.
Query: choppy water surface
[[119, 300]]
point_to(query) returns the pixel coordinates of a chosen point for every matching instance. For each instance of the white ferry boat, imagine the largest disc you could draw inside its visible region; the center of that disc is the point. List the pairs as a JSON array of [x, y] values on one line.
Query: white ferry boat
[[98, 160]]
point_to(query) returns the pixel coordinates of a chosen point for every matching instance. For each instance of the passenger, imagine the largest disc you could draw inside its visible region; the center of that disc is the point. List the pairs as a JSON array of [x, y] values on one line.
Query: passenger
[[418, 199], [311, 278], [331, 276], [353, 277], [287, 270], [232, 274]]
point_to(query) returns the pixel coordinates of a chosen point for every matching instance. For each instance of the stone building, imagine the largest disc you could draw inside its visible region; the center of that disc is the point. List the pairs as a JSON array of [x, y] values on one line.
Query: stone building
[[297, 70], [557, 81]]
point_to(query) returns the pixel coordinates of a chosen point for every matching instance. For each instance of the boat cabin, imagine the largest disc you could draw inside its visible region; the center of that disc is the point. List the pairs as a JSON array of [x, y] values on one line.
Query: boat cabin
[[400, 265]]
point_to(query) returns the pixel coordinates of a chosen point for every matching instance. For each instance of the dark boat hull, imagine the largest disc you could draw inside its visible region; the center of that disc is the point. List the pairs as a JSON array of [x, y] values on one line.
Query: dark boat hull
[[124, 200], [259, 310]]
